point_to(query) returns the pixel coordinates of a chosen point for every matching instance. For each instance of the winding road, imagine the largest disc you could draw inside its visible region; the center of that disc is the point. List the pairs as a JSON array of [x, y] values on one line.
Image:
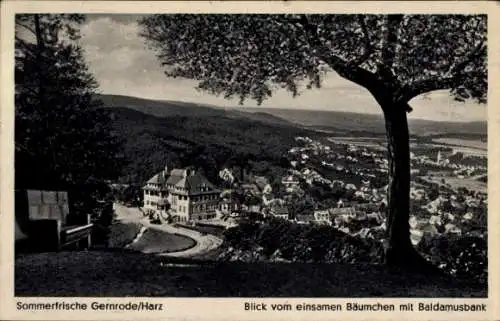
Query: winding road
[[204, 243]]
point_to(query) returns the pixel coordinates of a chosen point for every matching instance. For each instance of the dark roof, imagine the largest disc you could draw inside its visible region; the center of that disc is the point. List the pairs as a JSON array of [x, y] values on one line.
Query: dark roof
[[368, 206], [173, 179], [250, 186], [342, 211], [159, 178], [279, 210], [196, 183], [261, 182], [191, 181], [304, 217]]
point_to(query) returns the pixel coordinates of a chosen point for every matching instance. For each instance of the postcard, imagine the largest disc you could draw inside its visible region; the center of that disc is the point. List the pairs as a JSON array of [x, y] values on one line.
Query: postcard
[[227, 160]]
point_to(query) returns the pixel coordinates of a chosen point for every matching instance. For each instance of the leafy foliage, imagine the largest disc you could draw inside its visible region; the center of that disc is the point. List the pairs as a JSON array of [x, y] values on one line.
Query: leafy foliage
[[463, 256], [63, 136], [301, 243], [248, 56]]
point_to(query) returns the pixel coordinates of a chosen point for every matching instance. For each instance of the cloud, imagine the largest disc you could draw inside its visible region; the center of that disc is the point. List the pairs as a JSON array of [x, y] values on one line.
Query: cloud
[[123, 65]]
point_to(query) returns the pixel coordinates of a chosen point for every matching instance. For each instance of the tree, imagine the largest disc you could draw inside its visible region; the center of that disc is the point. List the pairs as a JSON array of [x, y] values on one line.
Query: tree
[[395, 57], [242, 161], [63, 137]]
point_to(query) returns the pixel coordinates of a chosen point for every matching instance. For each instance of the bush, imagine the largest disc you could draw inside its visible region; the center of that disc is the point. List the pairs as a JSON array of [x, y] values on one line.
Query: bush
[[281, 239], [465, 257]]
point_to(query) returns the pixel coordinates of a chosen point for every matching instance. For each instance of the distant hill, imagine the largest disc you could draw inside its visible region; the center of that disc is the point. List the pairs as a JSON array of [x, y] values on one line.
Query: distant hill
[[162, 108], [151, 142], [328, 121], [348, 122], [160, 132]]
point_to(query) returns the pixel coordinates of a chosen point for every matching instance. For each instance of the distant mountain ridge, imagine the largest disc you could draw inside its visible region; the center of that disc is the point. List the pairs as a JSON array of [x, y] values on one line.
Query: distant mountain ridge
[[334, 121], [160, 108], [357, 122]]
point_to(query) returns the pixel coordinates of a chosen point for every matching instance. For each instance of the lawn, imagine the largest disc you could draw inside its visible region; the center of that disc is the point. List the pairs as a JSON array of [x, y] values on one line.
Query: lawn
[[120, 274], [123, 234], [155, 241]]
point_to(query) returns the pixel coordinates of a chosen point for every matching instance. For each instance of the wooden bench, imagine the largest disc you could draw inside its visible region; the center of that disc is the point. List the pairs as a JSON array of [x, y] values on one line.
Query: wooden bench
[[44, 219]]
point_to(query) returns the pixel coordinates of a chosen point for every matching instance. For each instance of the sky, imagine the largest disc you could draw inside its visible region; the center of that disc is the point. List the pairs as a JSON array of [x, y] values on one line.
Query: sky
[[123, 65]]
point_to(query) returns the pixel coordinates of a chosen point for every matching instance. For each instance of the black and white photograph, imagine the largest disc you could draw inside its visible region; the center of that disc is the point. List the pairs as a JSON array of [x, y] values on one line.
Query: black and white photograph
[[245, 155]]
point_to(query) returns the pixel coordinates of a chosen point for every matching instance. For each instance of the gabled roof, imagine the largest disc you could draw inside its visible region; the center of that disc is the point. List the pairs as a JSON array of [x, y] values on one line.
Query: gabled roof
[[159, 178], [173, 179], [343, 211], [188, 181], [304, 217], [279, 210], [196, 183]]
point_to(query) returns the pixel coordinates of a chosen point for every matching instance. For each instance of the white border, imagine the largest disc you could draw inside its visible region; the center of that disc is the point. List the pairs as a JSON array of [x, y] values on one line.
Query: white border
[[232, 308]]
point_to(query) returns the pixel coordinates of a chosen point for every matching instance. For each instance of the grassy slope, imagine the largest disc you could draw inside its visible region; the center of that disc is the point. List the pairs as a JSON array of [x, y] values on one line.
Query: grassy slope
[[154, 241], [123, 234], [131, 274]]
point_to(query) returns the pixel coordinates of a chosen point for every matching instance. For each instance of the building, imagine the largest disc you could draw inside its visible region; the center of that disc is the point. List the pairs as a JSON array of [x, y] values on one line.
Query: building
[[229, 206], [185, 194], [304, 218], [322, 216], [261, 183], [155, 191], [339, 211], [280, 211], [290, 183], [439, 158]]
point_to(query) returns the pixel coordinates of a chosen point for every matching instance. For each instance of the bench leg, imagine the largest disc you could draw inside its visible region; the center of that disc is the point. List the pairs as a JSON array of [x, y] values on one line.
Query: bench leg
[[85, 243], [88, 241]]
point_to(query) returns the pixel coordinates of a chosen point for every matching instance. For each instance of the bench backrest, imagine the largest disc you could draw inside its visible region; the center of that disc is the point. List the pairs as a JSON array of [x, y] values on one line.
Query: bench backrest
[[48, 205]]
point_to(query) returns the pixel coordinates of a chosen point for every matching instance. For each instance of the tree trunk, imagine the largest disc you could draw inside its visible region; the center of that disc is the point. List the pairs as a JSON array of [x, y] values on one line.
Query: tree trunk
[[398, 194], [399, 251]]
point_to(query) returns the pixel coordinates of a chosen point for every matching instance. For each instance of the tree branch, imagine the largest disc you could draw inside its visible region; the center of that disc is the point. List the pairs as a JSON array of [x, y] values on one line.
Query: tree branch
[[389, 47], [367, 42], [439, 83], [427, 85], [478, 51], [345, 69], [26, 27]]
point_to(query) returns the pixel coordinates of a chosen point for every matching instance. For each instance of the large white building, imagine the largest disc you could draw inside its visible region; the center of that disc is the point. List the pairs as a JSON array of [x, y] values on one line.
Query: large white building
[[188, 192]]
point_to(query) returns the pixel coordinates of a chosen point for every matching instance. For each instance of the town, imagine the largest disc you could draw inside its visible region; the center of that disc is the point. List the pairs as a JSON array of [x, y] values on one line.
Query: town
[[330, 183]]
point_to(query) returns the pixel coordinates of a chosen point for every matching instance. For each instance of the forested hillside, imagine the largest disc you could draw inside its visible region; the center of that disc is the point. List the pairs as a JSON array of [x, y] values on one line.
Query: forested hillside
[[207, 141]]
